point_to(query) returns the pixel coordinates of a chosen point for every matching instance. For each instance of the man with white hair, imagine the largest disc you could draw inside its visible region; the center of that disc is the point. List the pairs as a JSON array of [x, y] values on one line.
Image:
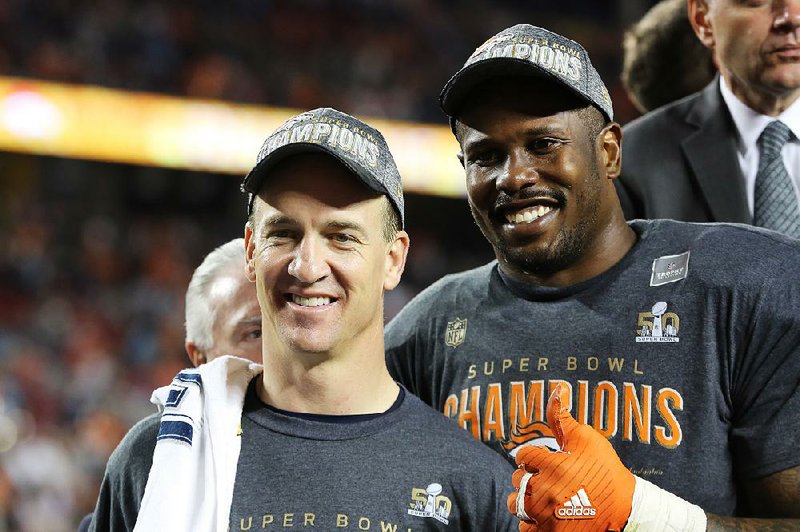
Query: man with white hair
[[222, 312], [222, 318]]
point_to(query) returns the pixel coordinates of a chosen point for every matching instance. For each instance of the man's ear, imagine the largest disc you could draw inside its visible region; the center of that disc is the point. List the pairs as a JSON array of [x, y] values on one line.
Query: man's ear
[[698, 12], [249, 250], [396, 260], [196, 355], [611, 149]]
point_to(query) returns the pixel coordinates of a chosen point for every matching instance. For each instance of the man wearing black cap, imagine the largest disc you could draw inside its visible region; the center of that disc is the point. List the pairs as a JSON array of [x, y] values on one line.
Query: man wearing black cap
[[679, 343], [323, 437]]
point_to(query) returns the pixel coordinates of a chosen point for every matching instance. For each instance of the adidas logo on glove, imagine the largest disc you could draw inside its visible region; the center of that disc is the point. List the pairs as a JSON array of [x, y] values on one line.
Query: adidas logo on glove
[[577, 507]]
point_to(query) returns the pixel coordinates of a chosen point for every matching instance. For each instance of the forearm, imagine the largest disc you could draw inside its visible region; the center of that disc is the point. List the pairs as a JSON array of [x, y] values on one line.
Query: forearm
[[717, 523], [655, 509], [775, 495]]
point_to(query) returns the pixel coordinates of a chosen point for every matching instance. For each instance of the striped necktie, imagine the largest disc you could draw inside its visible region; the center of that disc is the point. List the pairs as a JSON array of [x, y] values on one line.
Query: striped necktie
[[776, 205]]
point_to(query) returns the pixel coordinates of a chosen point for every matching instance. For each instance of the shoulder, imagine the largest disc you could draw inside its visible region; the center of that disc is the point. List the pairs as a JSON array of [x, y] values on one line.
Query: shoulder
[[134, 454], [656, 137], [664, 119], [144, 432], [682, 116], [727, 250], [125, 477], [462, 289], [722, 234], [443, 435], [466, 283]]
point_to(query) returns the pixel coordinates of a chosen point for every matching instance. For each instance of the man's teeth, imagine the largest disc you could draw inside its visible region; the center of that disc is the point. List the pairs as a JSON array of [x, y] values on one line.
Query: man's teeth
[[310, 301], [527, 215]]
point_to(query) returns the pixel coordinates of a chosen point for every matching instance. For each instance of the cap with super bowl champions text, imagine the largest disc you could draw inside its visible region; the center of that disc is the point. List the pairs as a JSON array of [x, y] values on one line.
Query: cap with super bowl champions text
[[527, 50], [358, 146]]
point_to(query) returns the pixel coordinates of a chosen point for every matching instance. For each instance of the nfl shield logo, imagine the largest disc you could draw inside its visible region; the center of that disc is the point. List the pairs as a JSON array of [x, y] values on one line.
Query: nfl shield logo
[[455, 333]]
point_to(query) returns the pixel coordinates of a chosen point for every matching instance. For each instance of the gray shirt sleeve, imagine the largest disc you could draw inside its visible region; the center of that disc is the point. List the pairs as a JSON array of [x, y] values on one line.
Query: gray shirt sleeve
[[125, 478], [764, 383]]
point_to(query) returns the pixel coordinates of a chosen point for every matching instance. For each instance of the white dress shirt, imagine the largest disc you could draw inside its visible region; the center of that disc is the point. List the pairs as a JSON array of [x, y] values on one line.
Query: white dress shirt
[[749, 125]]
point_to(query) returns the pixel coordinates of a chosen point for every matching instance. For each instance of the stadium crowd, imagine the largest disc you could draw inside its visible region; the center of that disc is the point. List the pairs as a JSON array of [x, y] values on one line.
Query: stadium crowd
[[95, 258], [378, 59]]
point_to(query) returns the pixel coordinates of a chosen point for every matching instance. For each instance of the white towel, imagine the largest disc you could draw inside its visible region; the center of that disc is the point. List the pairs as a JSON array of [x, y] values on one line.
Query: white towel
[[190, 486]]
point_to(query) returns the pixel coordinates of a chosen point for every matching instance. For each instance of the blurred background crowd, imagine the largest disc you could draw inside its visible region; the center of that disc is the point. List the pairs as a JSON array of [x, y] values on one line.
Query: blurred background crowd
[[95, 257]]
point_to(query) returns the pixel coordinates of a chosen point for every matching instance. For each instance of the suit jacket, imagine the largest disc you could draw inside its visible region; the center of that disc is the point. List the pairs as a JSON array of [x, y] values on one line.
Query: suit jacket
[[680, 162]]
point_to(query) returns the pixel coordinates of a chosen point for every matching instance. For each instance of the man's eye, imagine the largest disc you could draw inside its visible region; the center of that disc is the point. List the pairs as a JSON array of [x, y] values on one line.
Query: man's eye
[[543, 145], [484, 158], [255, 334], [280, 234], [343, 238]]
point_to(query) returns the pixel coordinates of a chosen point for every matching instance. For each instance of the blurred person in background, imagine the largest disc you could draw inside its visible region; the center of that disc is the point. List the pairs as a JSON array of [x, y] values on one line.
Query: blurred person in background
[[730, 152], [222, 318], [663, 60], [222, 312]]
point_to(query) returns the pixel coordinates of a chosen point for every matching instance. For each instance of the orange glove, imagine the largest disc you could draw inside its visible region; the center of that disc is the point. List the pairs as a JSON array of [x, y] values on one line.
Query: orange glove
[[584, 486]]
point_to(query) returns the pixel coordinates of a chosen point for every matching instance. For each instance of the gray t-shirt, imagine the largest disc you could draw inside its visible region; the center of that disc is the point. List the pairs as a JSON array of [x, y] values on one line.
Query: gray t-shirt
[[408, 469], [685, 354], [125, 478]]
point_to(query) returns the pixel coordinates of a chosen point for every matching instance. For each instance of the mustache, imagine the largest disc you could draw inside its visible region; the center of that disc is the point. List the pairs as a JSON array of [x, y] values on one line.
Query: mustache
[[504, 199]]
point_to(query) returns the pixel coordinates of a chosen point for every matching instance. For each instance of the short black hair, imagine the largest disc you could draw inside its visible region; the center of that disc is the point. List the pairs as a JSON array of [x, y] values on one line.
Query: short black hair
[[593, 119]]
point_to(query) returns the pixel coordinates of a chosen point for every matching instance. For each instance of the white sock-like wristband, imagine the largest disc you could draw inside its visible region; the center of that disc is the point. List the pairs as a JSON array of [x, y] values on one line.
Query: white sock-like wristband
[[523, 485], [658, 510]]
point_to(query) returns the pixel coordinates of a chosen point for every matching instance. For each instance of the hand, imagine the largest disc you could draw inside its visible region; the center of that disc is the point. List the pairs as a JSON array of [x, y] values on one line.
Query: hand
[[584, 486]]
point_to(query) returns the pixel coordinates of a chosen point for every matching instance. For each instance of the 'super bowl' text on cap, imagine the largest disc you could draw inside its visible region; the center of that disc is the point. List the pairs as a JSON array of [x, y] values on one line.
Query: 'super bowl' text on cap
[[529, 50], [359, 147]]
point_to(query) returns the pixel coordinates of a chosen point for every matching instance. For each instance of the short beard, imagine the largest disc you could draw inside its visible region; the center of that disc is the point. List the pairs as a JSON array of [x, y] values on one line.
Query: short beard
[[569, 247]]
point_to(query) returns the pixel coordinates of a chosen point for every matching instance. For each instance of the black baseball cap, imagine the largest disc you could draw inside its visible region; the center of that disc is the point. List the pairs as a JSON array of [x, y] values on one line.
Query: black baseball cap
[[528, 50], [358, 146]]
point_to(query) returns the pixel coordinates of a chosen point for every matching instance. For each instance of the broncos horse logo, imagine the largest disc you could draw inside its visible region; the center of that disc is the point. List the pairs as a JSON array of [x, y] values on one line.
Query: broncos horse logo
[[536, 433]]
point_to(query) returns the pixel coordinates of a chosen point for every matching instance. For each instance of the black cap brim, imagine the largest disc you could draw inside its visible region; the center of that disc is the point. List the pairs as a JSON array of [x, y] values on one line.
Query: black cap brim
[[255, 179], [465, 80]]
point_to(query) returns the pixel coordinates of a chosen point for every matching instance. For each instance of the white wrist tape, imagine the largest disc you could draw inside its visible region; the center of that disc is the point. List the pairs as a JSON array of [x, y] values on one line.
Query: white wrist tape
[[523, 485], [658, 510]]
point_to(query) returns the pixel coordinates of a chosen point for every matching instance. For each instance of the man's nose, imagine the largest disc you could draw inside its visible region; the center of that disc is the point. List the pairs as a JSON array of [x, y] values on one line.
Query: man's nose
[[787, 14], [518, 173], [308, 264]]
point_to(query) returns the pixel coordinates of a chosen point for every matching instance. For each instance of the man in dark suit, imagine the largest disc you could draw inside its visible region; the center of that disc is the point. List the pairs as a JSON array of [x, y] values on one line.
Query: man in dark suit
[[698, 159]]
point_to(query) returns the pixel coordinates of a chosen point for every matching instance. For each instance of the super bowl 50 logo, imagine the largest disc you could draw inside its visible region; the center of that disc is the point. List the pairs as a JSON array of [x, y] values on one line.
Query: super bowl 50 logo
[[658, 325], [430, 502]]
